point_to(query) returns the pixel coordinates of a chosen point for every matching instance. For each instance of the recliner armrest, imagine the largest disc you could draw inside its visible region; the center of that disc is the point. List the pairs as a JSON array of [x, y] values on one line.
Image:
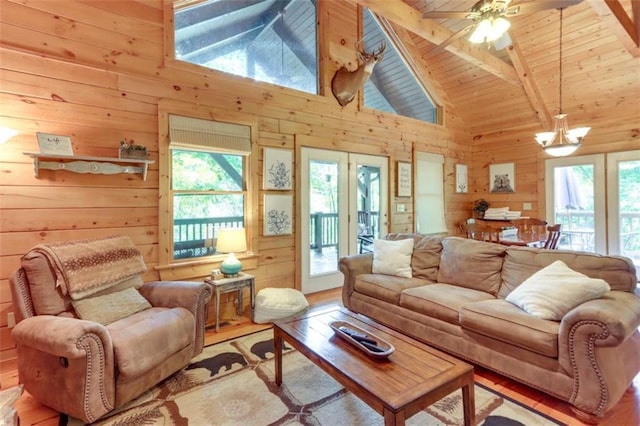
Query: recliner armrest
[[60, 336], [193, 296]]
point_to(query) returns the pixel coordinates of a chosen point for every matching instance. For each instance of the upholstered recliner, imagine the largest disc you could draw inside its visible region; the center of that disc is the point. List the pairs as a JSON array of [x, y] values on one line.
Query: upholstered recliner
[[90, 336]]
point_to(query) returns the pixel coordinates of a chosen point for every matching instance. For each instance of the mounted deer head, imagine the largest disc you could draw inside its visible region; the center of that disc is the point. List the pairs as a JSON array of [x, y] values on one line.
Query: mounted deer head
[[345, 84]]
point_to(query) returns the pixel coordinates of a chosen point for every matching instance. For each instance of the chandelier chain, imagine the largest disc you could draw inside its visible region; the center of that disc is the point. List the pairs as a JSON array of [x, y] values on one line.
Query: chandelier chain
[[560, 77]]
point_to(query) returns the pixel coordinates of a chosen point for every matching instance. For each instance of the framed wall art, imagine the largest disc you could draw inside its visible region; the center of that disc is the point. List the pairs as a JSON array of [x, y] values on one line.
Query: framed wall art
[[404, 179], [54, 144], [278, 217], [277, 169], [462, 185], [502, 178]]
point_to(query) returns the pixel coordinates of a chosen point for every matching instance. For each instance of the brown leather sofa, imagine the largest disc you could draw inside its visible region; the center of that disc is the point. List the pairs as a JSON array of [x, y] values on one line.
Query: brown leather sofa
[[455, 301], [85, 368]]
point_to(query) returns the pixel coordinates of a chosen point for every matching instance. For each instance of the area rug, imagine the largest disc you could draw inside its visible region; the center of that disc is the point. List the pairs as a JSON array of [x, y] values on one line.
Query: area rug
[[232, 383]]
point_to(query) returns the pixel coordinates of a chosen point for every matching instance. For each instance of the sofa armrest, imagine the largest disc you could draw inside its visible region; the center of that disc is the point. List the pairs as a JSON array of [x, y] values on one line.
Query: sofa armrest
[[351, 267], [599, 343], [193, 296], [70, 354]]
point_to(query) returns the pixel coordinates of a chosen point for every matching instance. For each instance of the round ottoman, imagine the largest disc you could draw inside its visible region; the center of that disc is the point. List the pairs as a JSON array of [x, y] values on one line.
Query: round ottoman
[[276, 303]]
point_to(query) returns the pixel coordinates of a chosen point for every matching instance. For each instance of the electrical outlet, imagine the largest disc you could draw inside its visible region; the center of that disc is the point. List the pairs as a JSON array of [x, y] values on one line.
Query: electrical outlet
[[526, 206], [11, 320], [400, 208]]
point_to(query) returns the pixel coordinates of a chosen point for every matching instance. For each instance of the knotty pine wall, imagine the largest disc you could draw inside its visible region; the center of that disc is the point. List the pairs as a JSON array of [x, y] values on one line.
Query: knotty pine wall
[[96, 71]]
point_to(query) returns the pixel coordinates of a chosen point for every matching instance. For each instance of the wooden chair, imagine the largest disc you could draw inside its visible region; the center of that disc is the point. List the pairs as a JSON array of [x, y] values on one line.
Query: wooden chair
[[553, 237], [530, 226], [481, 232]]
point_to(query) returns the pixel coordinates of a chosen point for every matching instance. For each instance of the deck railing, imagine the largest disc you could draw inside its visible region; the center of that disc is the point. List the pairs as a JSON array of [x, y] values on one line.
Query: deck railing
[[195, 237]]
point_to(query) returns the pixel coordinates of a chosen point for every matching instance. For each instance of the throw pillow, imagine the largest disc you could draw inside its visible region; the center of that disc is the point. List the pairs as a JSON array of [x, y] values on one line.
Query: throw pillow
[[392, 257], [111, 307], [554, 290]]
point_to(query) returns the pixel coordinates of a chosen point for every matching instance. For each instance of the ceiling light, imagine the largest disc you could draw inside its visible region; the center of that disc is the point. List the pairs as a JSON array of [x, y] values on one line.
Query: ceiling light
[[562, 141], [489, 29]]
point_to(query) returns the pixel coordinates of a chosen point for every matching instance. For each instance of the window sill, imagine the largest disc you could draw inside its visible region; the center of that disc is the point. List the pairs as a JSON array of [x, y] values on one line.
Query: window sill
[[201, 268]]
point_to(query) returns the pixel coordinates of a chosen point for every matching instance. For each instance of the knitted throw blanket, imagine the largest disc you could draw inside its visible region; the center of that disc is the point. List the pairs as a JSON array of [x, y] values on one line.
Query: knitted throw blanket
[[86, 267]]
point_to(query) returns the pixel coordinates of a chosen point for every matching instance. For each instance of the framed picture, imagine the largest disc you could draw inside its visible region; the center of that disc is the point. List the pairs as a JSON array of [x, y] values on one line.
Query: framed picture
[[462, 185], [278, 214], [502, 178], [404, 179], [54, 144], [277, 168]]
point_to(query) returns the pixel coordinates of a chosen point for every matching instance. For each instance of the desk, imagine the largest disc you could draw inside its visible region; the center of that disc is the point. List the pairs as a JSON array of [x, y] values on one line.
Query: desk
[[226, 285]]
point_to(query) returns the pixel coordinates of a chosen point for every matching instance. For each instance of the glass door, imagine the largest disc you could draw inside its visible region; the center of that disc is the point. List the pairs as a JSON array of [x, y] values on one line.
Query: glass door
[[595, 198], [324, 226], [343, 208], [623, 204]]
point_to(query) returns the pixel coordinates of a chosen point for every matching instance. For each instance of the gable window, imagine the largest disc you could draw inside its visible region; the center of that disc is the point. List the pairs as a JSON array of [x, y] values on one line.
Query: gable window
[[393, 86], [266, 40], [208, 189]]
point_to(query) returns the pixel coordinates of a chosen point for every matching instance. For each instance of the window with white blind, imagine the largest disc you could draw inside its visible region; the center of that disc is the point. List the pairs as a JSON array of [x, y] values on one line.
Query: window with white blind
[[429, 193], [208, 182]]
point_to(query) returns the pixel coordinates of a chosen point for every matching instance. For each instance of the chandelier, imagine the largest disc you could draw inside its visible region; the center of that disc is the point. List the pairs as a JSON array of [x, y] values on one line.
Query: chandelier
[[561, 141]]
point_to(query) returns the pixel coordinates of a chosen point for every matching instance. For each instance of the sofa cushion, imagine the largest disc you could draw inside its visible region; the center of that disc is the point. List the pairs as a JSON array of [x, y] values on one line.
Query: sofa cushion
[[111, 307], [145, 339], [392, 257], [521, 262], [554, 290], [504, 321], [385, 287], [441, 301], [472, 264], [426, 258]]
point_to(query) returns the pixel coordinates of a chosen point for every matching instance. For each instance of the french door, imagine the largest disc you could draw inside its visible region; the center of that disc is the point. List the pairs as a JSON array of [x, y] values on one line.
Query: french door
[[343, 208], [595, 198]]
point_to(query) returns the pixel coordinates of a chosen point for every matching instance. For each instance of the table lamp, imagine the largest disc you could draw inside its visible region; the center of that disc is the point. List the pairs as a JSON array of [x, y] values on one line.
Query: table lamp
[[231, 240]]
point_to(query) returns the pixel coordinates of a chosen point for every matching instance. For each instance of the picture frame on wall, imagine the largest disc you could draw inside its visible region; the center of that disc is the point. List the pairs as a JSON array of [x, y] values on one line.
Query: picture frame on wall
[[502, 178], [278, 165], [403, 188], [462, 185], [278, 214], [54, 144]]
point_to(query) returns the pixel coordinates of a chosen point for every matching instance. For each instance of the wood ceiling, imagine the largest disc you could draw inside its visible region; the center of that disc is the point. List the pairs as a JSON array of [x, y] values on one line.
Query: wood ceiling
[[518, 88]]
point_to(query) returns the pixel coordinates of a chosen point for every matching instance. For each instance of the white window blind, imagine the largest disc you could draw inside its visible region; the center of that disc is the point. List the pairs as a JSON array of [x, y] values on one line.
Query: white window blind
[[207, 135], [429, 193]]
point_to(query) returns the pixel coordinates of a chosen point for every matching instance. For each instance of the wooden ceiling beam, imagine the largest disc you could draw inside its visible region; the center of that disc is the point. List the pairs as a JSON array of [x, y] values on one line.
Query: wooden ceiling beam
[[626, 29], [529, 84], [407, 17]]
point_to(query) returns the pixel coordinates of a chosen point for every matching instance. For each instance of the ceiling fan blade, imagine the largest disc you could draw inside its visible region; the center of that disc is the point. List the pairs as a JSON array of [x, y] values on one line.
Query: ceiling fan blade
[[435, 14], [537, 5], [454, 37]]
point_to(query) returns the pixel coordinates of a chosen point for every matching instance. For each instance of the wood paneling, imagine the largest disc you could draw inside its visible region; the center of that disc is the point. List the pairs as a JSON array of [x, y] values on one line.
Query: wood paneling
[[95, 70]]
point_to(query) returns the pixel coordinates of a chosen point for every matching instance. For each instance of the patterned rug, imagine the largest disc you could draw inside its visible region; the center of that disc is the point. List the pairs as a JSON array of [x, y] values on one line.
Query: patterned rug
[[232, 383]]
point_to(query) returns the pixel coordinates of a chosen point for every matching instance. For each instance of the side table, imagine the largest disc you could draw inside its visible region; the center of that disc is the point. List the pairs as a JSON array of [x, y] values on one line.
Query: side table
[[227, 285]]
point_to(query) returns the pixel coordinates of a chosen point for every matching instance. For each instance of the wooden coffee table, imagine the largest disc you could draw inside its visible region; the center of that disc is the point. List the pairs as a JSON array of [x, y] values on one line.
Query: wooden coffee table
[[409, 380]]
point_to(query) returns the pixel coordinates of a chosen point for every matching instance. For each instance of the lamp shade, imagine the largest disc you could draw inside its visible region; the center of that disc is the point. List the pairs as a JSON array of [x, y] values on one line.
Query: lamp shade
[[231, 240]]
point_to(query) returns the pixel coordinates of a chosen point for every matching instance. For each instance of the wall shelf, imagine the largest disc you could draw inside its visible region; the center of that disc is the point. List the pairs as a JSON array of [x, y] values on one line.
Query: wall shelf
[[88, 164]]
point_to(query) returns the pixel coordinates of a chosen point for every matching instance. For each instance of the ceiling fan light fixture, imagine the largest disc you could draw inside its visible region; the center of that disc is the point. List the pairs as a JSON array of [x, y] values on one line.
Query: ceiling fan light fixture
[[489, 29]]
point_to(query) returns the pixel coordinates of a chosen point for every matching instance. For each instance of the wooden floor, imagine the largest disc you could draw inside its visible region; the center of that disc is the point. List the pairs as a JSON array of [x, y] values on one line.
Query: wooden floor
[[626, 413]]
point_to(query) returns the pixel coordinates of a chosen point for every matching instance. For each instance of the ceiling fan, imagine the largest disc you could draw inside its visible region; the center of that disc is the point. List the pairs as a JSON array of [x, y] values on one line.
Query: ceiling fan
[[489, 18]]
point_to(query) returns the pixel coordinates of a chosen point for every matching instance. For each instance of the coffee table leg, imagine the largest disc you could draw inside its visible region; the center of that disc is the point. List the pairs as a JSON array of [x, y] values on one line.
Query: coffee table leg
[[469, 403], [277, 347], [391, 419]]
